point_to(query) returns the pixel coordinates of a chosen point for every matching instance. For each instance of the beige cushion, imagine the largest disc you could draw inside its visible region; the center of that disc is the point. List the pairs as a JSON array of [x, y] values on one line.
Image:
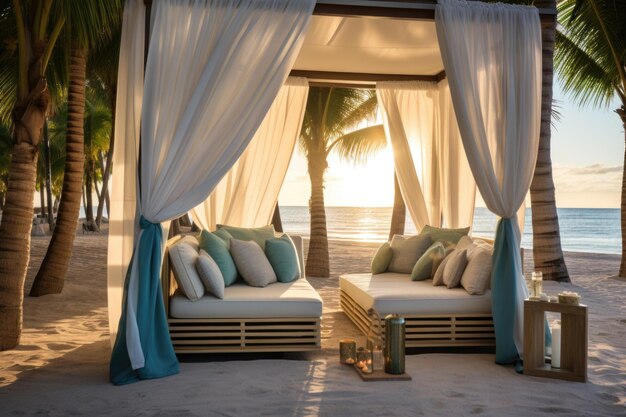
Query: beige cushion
[[406, 251], [210, 274], [252, 263], [183, 259], [464, 242], [477, 273], [396, 293], [191, 240], [282, 299], [453, 271], [438, 276]]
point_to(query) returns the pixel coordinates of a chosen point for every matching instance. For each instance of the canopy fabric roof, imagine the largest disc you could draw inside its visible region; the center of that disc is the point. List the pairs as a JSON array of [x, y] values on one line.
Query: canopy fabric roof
[[372, 45]]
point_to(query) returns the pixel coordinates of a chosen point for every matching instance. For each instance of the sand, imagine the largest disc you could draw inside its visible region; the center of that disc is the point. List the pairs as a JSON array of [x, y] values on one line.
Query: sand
[[61, 367]]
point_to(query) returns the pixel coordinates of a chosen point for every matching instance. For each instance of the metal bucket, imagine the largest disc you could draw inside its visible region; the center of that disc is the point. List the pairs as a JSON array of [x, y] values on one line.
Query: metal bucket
[[394, 344]]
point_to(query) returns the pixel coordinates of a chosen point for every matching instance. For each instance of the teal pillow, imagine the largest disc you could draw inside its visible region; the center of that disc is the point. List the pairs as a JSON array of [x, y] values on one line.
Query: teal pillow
[[428, 263], [258, 234], [217, 248], [447, 236], [281, 253], [381, 260]]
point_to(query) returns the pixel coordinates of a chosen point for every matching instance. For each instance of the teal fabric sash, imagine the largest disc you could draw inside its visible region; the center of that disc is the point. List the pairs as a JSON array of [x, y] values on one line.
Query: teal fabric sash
[[160, 359], [505, 273]]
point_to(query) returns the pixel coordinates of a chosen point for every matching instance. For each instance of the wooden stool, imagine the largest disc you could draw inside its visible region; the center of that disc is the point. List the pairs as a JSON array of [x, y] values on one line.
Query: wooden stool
[[573, 341]]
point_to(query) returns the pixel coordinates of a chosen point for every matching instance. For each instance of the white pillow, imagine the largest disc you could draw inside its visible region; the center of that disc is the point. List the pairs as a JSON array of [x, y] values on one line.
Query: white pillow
[[406, 251], [252, 263], [190, 240], [477, 274], [453, 270], [210, 274], [183, 259]]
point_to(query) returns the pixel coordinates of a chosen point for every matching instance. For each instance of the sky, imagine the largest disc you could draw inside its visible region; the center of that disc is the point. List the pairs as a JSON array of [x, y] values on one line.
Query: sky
[[587, 157]]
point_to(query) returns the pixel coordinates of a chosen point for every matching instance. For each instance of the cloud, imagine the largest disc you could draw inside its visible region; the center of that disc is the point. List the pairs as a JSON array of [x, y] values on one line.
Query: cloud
[[595, 169], [596, 178]]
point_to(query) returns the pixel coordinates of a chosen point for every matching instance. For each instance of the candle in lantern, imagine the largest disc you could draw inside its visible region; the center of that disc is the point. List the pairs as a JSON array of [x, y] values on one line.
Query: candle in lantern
[[347, 351], [556, 346]]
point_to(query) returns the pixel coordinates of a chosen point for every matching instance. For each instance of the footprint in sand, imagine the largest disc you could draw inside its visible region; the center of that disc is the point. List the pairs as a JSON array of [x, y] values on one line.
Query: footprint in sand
[[59, 346]]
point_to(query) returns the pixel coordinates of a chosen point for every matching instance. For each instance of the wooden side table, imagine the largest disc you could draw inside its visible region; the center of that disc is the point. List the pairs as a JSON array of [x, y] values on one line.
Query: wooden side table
[[573, 341]]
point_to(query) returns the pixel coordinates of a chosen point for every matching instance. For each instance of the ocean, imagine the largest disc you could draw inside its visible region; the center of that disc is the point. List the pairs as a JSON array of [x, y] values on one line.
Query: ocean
[[582, 230]]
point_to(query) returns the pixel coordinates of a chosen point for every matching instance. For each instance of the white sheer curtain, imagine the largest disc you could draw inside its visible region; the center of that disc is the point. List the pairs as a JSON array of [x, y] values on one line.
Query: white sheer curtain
[[458, 188], [123, 189], [432, 169], [409, 111], [492, 57], [213, 70], [247, 195]]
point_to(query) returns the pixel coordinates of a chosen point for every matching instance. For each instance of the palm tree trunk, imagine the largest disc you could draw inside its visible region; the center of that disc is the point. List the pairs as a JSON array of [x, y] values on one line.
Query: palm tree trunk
[[109, 164], [276, 220], [89, 179], [622, 267], [47, 160], [547, 252], [398, 215], [317, 263], [17, 217], [42, 200], [51, 275]]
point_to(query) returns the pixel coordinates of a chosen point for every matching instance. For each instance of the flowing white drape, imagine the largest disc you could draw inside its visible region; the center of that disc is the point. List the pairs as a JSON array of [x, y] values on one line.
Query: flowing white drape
[[458, 188], [409, 118], [247, 195], [122, 224], [492, 57], [432, 170], [213, 70]]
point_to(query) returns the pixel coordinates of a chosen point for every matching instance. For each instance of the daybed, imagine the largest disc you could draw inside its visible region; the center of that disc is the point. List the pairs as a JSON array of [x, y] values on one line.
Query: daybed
[[435, 316], [280, 317]]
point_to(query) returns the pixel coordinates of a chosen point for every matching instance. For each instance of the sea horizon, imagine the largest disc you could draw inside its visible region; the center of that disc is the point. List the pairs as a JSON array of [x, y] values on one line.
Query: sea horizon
[[592, 230]]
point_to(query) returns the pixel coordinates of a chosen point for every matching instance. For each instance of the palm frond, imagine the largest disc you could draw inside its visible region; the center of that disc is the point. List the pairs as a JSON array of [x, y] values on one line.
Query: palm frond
[[359, 145], [583, 77], [590, 37]]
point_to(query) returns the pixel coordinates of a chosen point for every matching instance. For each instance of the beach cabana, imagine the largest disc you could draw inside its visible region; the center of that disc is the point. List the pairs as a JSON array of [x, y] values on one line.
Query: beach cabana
[[198, 77]]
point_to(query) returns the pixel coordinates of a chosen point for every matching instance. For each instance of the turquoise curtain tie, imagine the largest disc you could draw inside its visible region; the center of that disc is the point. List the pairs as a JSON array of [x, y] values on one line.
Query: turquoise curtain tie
[[154, 336], [144, 224], [503, 291]]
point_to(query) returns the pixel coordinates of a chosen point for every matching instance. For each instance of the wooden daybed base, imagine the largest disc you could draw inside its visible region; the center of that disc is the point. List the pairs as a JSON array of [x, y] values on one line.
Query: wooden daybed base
[[427, 330], [236, 334]]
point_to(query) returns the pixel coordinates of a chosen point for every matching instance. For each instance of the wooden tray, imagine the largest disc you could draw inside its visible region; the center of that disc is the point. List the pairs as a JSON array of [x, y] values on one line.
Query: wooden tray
[[381, 376]]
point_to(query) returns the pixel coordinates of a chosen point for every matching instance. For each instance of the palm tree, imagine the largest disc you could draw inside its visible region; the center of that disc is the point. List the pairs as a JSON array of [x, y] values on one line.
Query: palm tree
[[97, 134], [330, 117], [591, 59], [547, 251], [87, 27], [37, 29], [102, 66]]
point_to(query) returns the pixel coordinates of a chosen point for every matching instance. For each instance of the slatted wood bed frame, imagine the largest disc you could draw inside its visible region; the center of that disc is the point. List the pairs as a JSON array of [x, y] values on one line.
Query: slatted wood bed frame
[[427, 330], [236, 334]]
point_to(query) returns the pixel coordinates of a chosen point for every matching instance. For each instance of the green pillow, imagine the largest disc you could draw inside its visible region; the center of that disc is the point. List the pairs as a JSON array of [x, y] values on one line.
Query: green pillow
[[446, 236], [281, 253], [381, 260], [224, 235], [258, 234], [427, 264], [217, 248]]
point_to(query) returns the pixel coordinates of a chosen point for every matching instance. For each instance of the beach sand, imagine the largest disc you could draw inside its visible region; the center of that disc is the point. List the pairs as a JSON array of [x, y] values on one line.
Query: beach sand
[[61, 366]]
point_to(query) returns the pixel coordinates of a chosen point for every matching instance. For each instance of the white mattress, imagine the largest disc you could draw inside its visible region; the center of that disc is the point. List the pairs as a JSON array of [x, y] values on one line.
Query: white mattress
[[395, 293], [293, 299]]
